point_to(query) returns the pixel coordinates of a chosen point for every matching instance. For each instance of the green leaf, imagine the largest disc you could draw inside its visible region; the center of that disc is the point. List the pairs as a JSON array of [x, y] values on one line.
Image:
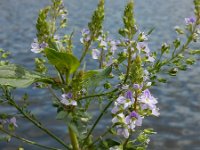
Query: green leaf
[[62, 60], [94, 77], [61, 115], [16, 76], [107, 143]]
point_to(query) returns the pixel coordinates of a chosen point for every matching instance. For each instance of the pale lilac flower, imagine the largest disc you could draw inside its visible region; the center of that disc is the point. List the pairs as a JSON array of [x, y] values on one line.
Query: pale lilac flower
[[123, 132], [190, 20], [133, 120], [67, 100], [142, 46], [96, 54], [147, 99], [67, 96], [43, 45], [56, 37], [137, 86], [155, 112], [129, 95], [85, 36], [115, 110], [148, 102], [85, 31], [121, 100], [38, 47], [146, 75], [103, 44], [150, 58], [13, 121], [113, 45]]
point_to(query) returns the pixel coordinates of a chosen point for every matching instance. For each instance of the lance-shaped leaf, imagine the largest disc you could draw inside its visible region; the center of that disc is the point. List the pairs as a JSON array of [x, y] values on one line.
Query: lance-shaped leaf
[[62, 60], [94, 77], [16, 76]]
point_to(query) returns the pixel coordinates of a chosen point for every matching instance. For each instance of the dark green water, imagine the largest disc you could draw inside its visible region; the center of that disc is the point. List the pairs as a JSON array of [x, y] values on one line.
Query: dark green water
[[179, 124]]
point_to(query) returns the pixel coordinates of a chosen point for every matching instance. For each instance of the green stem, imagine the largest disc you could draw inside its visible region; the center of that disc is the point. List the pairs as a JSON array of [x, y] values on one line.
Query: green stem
[[128, 66], [135, 103], [126, 142], [74, 139], [101, 59], [53, 94], [97, 121], [62, 80], [37, 124], [100, 137], [85, 51], [28, 141], [97, 95]]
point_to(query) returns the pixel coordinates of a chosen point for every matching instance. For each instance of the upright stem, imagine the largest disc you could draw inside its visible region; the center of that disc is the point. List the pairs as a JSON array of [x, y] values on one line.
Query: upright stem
[[101, 59], [96, 122], [85, 50], [74, 139], [135, 103], [126, 142], [128, 66]]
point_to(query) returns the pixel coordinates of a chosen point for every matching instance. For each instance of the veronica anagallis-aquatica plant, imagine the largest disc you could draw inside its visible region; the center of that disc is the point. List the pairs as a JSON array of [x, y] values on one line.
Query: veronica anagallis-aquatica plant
[[125, 70]]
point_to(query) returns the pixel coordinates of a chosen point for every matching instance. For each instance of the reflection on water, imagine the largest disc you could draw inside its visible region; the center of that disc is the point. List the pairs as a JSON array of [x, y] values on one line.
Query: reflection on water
[[179, 123]]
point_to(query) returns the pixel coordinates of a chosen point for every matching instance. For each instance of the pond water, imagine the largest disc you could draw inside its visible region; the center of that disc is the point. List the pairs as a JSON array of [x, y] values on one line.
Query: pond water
[[178, 126]]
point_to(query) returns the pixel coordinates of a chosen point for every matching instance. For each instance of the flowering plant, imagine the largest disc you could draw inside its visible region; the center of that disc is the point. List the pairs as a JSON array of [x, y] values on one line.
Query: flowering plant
[[124, 71]]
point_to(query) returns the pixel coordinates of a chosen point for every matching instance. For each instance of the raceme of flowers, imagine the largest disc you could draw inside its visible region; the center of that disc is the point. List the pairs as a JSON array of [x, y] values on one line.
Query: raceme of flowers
[[126, 117]]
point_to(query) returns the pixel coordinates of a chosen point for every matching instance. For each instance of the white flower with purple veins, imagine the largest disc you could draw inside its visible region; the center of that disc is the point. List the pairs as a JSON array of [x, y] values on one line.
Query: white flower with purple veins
[[146, 75], [113, 46], [103, 44], [148, 102], [38, 47], [123, 101], [96, 54], [115, 109], [122, 131], [13, 121], [142, 46], [150, 58], [190, 20], [133, 120], [85, 36], [67, 100]]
